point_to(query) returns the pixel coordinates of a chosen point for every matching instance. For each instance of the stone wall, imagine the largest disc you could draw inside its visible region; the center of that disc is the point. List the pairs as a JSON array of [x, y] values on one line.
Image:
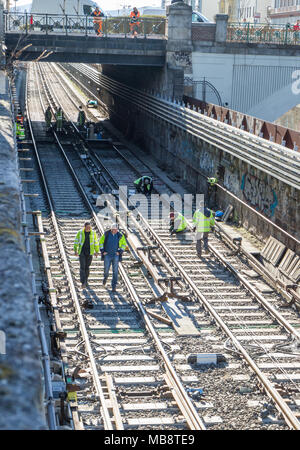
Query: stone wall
[[21, 399]]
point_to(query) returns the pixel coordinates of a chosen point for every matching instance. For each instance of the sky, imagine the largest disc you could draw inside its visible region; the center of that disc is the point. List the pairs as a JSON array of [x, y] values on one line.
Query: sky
[[107, 4]]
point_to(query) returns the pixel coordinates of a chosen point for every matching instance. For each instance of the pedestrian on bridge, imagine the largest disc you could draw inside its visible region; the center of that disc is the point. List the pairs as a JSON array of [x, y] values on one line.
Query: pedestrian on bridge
[[97, 14], [144, 185], [204, 222], [86, 245], [112, 246], [134, 22], [59, 119], [48, 118], [81, 118]]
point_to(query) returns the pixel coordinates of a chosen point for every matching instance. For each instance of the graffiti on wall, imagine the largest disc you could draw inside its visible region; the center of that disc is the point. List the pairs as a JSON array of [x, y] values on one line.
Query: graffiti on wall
[[231, 181], [259, 194]]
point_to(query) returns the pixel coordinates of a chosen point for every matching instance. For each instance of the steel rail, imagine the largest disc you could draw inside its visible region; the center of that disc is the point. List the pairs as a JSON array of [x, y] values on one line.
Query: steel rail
[[187, 408], [105, 414]]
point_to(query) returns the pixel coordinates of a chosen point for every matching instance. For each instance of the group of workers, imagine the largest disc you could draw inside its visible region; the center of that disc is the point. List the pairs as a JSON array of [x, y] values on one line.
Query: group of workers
[[20, 130], [134, 22], [59, 117], [113, 243], [111, 246]]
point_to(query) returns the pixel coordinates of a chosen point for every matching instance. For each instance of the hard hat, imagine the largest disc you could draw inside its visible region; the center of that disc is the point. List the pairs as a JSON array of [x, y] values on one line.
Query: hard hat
[[114, 226]]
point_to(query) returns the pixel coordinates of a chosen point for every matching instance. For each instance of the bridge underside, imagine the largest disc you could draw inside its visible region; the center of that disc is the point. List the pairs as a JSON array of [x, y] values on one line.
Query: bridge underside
[[88, 49]]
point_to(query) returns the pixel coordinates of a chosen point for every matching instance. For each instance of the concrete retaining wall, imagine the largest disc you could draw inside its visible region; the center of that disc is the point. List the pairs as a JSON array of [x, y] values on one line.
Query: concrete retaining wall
[[21, 402]]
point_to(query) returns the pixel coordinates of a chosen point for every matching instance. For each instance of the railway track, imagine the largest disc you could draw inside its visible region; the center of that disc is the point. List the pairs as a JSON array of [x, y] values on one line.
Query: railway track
[[224, 307], [96, 332]]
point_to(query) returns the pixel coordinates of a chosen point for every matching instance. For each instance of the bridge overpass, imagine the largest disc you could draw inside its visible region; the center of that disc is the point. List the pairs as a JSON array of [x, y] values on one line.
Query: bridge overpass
[[254, 69]]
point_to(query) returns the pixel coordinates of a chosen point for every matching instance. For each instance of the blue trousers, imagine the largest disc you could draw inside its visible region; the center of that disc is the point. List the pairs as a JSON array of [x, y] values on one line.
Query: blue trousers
[[114, 261]]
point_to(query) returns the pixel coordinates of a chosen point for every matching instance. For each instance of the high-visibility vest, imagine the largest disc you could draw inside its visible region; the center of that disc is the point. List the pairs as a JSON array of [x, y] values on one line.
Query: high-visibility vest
[[79, 241], [59, 115], [20, 132], [122, 241], [134, 17], [203, 223], [180, 222], [212, 181], [97, 15], [143, 182]]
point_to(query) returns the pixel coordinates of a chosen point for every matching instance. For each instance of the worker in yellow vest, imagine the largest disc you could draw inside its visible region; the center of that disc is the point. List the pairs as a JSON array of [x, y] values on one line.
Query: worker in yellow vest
[[203, 221], [86, 245], [178, 224]]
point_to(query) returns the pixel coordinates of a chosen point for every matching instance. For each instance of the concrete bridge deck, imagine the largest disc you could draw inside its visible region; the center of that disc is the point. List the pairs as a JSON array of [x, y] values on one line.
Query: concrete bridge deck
[[90, 49]]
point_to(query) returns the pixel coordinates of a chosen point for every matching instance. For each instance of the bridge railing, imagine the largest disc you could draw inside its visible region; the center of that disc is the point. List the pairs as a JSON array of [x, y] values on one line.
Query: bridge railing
[[75, 24], [263, 33]]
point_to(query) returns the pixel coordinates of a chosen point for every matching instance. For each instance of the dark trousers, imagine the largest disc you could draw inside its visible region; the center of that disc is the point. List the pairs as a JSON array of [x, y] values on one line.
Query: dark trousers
[[199, 238], [114, 261], [85, 262]]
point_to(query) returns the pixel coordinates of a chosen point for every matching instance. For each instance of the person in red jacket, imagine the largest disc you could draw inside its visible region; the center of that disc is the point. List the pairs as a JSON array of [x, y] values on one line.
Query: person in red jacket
[[297, 26], [134, 22]]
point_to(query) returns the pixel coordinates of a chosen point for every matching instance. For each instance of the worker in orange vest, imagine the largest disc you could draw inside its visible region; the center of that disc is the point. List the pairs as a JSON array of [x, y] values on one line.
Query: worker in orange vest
[[97, 14], [134, 23]]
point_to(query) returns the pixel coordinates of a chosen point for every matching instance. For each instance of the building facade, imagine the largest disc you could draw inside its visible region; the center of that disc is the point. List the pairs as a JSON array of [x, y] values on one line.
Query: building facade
[[253, 11], [284, 11]]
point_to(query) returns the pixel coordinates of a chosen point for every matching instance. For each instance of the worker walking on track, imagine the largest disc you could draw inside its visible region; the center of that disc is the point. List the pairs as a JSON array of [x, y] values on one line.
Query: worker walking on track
[[203, 221], [48, 118], [144, 185], [59, 119], [134, 22], [212, 190], [178, 224], [86, 245], [112, 246], [97, 14], [81, 117]]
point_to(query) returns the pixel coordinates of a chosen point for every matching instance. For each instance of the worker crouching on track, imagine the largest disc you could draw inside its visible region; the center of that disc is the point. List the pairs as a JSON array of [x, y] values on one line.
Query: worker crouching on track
[[48, 118], [203, 223], [86, 245], [97, 14], [59, 120], [144, 185], [178, 224], [134, 22], [112, 246], [81, 118]]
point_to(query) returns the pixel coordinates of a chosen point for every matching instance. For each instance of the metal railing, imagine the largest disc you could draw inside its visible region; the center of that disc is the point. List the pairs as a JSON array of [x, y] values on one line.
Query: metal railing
[[82, 25], [263, 33]]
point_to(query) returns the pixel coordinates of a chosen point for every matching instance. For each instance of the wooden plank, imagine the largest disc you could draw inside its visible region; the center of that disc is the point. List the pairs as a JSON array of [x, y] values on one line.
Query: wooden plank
[[179, 316], [273, 251], [114, 402]]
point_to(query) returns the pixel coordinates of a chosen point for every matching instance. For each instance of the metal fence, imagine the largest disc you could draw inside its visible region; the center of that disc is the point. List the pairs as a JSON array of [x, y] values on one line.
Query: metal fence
[[263, 33], [75, 24]]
